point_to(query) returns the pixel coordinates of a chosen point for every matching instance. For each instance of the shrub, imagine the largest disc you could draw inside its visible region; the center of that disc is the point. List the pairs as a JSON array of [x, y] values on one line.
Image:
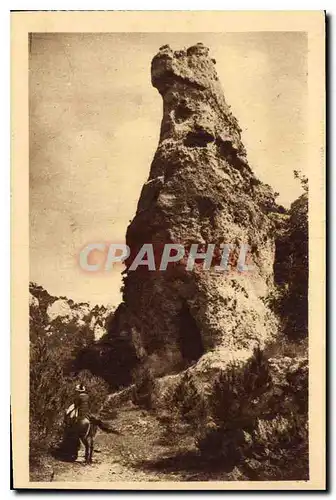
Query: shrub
[[258, 419], [181, 412], [290, 299], [111, 358], [279, 450], [54, 371], [144, 386], [50, 394], [238, 392], [238, 398], [187, 400]]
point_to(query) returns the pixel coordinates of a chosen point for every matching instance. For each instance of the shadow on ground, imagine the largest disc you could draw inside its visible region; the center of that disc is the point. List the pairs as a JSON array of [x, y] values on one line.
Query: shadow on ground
[[190, 464]]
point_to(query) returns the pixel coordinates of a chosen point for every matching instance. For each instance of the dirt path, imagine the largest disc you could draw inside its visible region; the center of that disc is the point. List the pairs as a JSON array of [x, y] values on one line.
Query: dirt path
[[136, 455], [143, 452]]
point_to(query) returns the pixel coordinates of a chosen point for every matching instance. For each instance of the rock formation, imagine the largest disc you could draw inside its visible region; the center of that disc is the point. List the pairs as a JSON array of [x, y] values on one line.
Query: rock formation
[[61, 316], [201, 190]]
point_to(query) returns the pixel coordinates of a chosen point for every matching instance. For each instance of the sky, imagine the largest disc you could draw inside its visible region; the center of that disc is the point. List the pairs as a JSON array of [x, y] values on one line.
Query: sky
[[94, 129]]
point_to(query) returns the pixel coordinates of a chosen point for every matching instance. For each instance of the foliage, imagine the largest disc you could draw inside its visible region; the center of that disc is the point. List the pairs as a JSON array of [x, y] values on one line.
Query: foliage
[[238, 398], [181, 412], [144, 386], [187, 400], [290, 298], [303, 180], [185, 403], [53, 348], [233, 404], [259, 421], [279, 450], [254, 417], [110, 358], [295, 303], [49, 393]]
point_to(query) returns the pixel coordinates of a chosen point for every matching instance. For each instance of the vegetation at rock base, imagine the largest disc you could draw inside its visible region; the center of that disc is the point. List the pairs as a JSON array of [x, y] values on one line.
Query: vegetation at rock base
[[250, 418], [144, 387], [111, 358], [181, 410]]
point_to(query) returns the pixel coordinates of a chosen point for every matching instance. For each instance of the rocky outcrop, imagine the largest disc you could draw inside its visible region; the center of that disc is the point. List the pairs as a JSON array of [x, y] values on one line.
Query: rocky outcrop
[[201, 190], [61, 317]]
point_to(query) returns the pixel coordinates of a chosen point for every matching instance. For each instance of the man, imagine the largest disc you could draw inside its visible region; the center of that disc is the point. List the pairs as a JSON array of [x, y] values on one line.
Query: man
[[77, 411], [81, 402]]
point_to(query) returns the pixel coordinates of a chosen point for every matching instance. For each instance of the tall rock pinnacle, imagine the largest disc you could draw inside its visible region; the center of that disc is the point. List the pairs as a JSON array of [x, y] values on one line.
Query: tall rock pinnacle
[[200, 190]]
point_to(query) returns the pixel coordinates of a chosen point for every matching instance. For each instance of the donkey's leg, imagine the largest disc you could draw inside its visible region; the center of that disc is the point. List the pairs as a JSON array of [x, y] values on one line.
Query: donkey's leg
[[91, 437], [87, 449], [90, 441]]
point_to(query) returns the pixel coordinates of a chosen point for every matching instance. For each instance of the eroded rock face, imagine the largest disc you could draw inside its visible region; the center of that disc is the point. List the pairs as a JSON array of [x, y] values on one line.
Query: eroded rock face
[[200, 190]]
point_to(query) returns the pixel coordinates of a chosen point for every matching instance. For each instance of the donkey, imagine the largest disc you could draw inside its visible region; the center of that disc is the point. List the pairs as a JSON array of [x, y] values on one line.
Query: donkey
[[84, 430]]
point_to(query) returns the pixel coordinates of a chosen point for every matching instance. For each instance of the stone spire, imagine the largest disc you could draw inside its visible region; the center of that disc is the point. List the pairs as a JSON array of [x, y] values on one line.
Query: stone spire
[[201, 190]]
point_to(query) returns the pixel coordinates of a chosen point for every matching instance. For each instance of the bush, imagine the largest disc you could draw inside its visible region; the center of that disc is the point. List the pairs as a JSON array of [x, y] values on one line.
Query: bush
[[111, 358], [259, 421], [51, 392], [279, 449], [185, 402], [181, 412], [290, 299], [144, 387], [237, 395], [238, 398], [54, 371]]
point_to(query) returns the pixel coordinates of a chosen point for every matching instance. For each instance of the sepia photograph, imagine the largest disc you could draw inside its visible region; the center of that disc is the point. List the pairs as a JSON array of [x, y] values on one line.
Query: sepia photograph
[[171, 326]]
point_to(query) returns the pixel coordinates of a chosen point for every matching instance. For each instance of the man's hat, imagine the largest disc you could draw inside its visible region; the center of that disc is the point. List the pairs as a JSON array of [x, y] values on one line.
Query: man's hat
[[80, 388]]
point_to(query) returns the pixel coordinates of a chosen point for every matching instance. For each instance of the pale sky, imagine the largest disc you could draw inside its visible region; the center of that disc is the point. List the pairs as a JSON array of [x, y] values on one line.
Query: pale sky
[[94, 128]]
